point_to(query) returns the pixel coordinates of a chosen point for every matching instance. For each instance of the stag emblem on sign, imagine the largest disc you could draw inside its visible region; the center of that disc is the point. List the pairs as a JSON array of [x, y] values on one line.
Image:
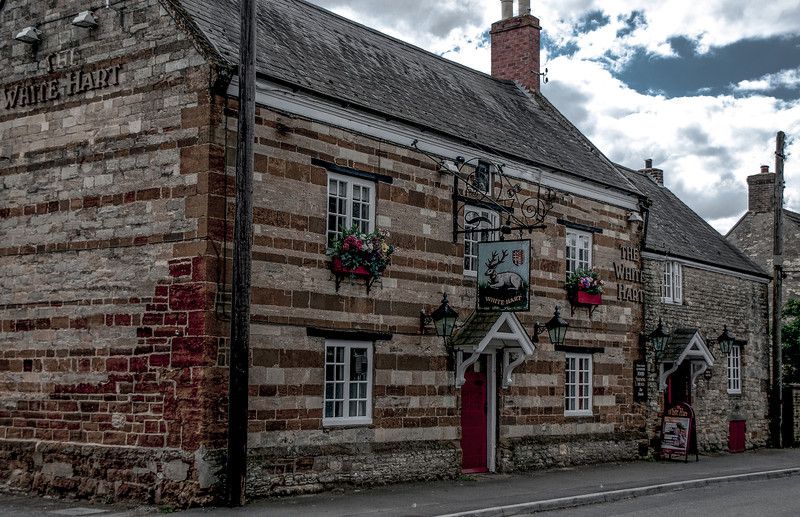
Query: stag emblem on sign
[[504, 276], [504, 280]]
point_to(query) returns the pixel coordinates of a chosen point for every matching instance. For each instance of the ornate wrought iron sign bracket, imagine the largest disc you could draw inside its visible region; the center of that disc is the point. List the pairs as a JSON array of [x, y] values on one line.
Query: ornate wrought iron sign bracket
[[486, 186]]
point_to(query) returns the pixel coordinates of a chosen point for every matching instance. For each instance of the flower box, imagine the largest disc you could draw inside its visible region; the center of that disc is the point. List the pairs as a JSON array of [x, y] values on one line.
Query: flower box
[[338, 268], [584, 298]]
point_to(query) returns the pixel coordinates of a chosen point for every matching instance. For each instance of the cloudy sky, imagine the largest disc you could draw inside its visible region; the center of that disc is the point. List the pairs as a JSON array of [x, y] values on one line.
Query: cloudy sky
[[702, 87]]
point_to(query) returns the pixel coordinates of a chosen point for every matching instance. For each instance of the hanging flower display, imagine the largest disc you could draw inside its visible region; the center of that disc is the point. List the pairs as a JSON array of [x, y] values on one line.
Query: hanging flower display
[[361, 254]]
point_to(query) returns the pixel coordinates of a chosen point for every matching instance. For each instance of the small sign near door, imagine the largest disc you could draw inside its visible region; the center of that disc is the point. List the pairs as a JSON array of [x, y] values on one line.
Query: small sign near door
[[639, 381], [504, 276], [678, 433]]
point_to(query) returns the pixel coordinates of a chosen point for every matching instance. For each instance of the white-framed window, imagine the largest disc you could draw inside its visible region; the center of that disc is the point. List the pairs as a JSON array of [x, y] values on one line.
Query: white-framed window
[[351, 201], [735, 370], [672, 283], [478, 223], [578, 250], [348, 383], [578, 385]]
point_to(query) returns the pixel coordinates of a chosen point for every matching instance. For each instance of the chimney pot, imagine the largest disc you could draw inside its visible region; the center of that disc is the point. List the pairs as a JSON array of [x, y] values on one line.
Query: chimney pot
[[515, 46], [507, 9], [761, 191], [653, 172]]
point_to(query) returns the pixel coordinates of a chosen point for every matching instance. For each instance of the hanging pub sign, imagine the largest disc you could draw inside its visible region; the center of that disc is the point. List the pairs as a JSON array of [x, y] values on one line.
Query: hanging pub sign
[[504, 276], [678, 432]]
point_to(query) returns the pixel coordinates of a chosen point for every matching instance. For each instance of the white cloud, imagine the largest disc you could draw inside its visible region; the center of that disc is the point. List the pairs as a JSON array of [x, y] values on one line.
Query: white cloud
[[782, 79], [706, 145]]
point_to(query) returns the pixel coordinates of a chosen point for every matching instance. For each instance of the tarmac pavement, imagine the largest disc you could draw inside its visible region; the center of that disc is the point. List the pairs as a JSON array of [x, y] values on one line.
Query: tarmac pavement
[[485, 495]]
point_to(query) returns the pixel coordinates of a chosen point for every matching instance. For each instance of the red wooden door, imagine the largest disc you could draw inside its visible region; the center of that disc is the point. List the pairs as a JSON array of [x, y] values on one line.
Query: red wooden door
[[473, 422], [736, 435]]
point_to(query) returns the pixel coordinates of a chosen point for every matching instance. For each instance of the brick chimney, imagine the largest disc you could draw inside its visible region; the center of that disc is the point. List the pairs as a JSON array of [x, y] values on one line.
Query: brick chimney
[[515, 45], [656, 174], [761, 191]]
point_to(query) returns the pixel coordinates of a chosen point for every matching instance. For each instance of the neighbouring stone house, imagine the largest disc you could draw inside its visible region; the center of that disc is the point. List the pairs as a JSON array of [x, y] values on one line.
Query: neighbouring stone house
[[753, 234], [698, 284]]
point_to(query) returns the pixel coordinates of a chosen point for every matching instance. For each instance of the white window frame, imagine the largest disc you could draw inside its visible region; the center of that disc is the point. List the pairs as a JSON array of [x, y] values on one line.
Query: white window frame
[[475, 234], [351, 183], [672, 283], [346, 419], [573, 249], [735, 370], [572, 398]]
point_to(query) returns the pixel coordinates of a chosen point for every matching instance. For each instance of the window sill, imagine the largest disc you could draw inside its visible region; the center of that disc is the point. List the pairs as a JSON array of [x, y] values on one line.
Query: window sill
[[346, 422], [735, 393], [578, 413]]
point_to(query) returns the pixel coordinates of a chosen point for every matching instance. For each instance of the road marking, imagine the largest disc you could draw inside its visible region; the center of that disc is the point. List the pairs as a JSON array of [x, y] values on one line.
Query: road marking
[[618, 495], [79, 511]]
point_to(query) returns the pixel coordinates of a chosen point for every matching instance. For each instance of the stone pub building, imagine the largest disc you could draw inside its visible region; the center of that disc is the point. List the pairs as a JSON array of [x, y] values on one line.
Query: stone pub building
[[117, 153]]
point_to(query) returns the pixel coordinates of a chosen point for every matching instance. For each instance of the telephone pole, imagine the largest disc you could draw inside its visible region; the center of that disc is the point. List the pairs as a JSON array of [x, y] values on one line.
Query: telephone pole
[[777, 297], [242, 261]]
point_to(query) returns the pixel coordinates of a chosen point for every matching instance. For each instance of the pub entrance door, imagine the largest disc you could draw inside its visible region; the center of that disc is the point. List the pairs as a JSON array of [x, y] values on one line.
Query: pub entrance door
[[476, 411], [679, 385]]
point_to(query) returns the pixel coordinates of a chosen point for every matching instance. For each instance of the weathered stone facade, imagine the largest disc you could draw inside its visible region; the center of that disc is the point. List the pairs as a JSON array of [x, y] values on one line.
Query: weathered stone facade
[[696, 283], [108, 385], [416, 405], [711, 301]]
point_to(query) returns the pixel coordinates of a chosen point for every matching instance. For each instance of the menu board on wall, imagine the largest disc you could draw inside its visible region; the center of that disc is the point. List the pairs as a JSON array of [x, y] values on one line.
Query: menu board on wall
[[639, 381]]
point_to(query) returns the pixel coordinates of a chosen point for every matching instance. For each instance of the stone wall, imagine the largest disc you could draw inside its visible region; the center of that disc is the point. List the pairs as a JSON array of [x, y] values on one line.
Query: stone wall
[[543, 452], [414, 398], [106, 274], [712, 300]]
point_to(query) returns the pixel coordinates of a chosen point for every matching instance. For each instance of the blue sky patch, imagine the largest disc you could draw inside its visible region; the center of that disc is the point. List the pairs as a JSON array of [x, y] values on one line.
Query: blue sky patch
[[713, 73]]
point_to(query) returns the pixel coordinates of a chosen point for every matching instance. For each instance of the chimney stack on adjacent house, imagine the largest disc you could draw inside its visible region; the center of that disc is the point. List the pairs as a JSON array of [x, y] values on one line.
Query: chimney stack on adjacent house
[[515, 45], [656, 174], [761, 191]]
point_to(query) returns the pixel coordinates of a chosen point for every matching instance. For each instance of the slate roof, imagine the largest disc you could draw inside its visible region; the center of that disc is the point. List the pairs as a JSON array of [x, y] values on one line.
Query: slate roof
[[679, 340], [475, 328], [675, 230], [307, 47]]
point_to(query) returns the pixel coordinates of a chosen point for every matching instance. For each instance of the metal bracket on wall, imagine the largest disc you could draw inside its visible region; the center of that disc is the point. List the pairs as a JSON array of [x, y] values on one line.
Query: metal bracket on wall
[[481, 183]]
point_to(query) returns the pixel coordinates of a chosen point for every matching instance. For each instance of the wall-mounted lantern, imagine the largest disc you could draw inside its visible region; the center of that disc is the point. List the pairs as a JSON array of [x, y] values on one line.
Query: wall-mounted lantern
[[85, 20], [30, 35], [725, 341], [659, 339], [443, 318], [556, 329]]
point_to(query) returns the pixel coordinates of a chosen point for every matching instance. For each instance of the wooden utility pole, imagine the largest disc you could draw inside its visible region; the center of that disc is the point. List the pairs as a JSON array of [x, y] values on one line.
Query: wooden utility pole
[[239, 365], [777, 296]]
